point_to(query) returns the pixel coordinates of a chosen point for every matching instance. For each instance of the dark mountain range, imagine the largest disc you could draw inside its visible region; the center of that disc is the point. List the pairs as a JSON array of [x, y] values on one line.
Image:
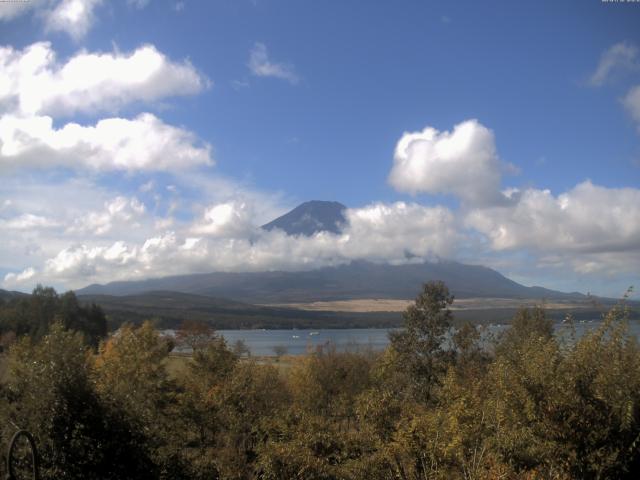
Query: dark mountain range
[[9, 295], [356, 280], [311, 217]]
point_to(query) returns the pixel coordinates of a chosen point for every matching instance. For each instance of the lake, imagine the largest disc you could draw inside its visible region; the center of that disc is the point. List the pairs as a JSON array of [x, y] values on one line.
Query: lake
[[299, 342]]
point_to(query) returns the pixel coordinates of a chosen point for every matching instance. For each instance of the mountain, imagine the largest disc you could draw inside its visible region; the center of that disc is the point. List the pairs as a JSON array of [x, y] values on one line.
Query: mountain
[[357, 280], [311, 217], [7, 295]]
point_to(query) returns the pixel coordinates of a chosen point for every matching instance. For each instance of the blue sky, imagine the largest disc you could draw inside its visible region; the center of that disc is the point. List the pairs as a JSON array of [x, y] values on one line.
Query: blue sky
[[317, 114]]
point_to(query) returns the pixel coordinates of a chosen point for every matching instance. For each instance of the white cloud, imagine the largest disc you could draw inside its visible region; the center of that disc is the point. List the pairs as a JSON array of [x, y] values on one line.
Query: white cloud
[[147, 186], [398, 231], [46, 215], [11, 10], [225, 220], [119, 211], [632, 103], [19, 278], [216, 189], [463, 162], [28, 221], [621, 56], [143, 143], [32, 82], [74, 17], [589, 227], [261, 66]]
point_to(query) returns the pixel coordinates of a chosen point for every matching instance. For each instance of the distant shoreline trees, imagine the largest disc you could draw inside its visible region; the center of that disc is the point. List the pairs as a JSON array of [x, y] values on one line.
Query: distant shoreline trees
[[34, 315]]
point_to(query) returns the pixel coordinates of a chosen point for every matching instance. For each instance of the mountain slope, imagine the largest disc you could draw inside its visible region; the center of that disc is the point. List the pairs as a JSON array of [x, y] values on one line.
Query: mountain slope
[[356, 280], [7, 295], [311, 217]]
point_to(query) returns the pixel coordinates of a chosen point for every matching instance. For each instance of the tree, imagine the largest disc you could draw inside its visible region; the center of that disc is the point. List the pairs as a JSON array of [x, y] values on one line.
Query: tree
[[51, 393], [131, 378], [90, 319], [34, 315], [280, 350], [246, 403], [318, 436], [194, 334], [568, 411], [240, 348], [419, 345], [209, 369], [39, 309], [526, 324]]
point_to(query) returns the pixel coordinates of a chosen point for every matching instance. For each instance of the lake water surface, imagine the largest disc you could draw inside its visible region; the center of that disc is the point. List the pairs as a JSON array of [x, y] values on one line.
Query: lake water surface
[[299, 342]]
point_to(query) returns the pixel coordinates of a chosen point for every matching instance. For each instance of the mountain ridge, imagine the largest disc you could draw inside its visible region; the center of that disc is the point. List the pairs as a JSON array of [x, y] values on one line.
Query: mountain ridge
[[356, 280]]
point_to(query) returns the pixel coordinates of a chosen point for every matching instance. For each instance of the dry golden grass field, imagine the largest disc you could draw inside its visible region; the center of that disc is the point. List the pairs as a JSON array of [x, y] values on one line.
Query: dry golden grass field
[[398, 305]]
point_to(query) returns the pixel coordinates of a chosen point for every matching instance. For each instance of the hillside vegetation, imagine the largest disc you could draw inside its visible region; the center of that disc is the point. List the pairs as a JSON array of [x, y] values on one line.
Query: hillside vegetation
[[527, 405]]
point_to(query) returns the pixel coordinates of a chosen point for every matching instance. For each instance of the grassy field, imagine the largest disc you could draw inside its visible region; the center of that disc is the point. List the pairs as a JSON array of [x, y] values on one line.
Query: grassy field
[[366, 305]]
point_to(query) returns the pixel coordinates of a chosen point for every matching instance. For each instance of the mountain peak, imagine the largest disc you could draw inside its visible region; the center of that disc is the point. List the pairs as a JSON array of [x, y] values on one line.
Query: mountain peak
[[311, 217]]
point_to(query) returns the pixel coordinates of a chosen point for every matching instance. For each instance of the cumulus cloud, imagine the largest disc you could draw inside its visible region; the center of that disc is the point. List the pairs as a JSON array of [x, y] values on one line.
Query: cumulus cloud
[[399, 231], [621, 56], [225, 220], [143, 143], [261, 66], [35, 89], [46, 215], [74, 17], [462, 162], [33, 82], [121, 211], [19, 278], [589, 227]]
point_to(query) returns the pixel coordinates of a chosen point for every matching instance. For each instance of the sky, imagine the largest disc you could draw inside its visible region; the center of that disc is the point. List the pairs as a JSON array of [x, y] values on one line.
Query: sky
[[144, 138]]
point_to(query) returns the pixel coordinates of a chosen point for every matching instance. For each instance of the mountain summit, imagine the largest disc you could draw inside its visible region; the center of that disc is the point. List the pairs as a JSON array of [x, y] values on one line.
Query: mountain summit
[[311, 217]]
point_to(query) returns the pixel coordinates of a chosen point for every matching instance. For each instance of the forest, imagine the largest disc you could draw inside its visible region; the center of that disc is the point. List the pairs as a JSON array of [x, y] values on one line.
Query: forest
[[526, 404]]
